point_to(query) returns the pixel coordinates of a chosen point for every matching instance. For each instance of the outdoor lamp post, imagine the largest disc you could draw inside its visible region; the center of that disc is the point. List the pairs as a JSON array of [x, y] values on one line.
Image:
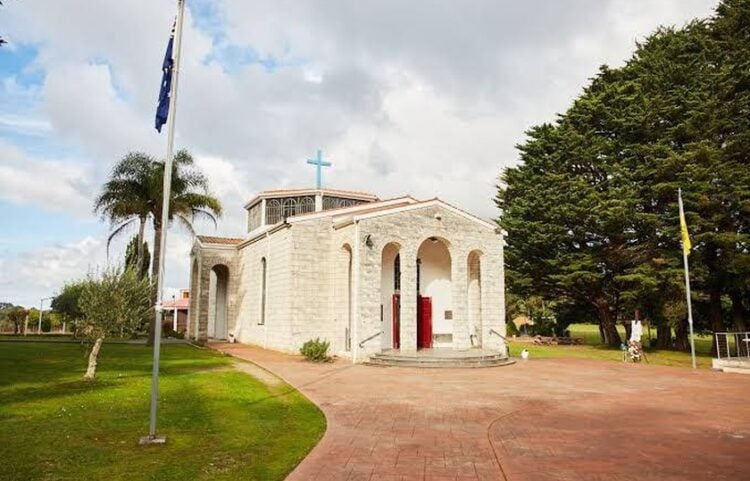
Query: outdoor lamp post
[[41, 303], [174, 313]]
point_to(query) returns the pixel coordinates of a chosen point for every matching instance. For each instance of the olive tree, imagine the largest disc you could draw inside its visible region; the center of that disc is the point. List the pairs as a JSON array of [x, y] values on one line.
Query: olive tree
[[116, 301]]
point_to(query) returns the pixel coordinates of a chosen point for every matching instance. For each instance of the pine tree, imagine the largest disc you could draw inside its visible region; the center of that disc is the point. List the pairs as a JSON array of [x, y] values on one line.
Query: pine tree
[[131, 257]]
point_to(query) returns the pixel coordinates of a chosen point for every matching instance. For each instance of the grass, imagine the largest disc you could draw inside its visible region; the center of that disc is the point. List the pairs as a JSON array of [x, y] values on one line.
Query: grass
[[592, 349], [220, 424]]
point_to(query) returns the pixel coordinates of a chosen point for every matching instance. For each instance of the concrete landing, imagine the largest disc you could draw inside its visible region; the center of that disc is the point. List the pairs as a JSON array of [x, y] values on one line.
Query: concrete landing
[[440, 358], [739, 366]]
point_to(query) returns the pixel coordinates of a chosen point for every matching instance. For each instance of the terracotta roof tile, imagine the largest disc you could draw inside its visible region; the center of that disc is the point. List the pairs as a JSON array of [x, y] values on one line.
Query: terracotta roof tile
[[219, 240], [375, 209], [179, 303]]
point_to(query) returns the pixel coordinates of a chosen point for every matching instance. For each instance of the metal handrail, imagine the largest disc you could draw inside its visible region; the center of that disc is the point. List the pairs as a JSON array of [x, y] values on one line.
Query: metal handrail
[[492, 331], [362, 344], [741, 345], [507, 345]]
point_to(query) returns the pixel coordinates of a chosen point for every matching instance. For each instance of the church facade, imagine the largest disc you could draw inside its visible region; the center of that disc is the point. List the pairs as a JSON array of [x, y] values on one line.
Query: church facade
[[368, 275]]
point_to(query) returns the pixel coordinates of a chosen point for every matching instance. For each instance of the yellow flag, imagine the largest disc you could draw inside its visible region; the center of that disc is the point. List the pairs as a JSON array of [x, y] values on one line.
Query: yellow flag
[[686, 245]]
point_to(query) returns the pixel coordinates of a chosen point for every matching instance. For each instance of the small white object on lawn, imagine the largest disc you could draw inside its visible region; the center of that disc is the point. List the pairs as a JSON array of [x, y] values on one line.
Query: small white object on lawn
[[525, 354]]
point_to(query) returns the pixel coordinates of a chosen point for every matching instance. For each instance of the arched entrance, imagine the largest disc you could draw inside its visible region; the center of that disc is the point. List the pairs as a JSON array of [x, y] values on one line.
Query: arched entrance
[[434, 299], [474, 297], [217, 301], [390, 296]]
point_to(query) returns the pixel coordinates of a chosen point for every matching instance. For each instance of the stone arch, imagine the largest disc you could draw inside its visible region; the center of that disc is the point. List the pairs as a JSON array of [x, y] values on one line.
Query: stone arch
[[474, 296], [390, 295], [218, 302], [434, 293]]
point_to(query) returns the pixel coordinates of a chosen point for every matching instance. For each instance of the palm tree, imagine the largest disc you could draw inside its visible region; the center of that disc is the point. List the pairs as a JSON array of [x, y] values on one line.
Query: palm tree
[[134, 194], [126, 197]]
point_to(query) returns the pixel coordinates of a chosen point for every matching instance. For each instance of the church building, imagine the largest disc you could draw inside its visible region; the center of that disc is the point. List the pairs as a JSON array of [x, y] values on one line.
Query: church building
[[368, 275]]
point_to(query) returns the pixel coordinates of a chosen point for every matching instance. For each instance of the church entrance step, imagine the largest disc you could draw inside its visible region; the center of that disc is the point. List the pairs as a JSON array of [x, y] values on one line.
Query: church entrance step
[[440, 358]]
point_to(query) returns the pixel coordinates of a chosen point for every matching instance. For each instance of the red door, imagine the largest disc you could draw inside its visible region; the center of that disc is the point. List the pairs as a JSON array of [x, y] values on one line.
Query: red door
[[396, 316], [424, 322]]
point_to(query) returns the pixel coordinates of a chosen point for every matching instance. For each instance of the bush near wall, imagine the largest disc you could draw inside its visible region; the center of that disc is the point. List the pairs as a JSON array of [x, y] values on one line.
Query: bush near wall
[[316, 350]]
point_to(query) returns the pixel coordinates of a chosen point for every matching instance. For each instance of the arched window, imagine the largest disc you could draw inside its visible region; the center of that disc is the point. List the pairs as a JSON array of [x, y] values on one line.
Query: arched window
[[338, 202], [290, 207], [305, 205], [273, 211], [263, 278]]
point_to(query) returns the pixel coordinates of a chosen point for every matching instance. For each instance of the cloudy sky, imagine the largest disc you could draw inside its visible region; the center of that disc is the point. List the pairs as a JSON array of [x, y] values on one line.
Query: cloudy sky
[[421, 97]]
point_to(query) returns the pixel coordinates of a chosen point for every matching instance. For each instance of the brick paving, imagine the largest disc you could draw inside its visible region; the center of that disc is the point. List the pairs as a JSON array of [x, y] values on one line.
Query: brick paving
[[561, 419]]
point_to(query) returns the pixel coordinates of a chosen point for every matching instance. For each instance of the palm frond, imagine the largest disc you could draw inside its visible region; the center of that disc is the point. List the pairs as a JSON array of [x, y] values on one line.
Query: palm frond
[[117, 231], [185, 222], [204, 214]]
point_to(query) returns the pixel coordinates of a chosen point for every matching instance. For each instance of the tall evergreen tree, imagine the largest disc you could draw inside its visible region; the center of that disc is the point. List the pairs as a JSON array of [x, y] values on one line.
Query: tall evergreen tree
[[138, 258], [591, 211]]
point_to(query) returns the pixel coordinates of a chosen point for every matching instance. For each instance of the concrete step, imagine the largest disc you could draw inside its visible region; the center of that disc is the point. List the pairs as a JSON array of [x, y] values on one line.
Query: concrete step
[[739, 366], [405, 360], [407, 357]]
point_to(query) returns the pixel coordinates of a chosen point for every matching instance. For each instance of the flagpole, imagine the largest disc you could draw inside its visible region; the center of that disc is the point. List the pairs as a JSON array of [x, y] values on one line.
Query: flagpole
[[687, 284], [152, 438]]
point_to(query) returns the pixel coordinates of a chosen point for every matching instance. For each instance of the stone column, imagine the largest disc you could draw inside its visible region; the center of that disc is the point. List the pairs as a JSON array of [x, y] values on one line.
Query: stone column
[[204, 280], [459, 290], [493, 300], [408, 332], [195, 290]]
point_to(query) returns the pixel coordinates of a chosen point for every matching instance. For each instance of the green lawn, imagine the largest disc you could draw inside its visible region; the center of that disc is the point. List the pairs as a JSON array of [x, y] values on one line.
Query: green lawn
[[592, 349], [220, 424]]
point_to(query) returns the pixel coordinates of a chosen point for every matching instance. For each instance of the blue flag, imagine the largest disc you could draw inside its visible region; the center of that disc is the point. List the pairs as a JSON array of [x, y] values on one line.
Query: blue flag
[[162, 111]]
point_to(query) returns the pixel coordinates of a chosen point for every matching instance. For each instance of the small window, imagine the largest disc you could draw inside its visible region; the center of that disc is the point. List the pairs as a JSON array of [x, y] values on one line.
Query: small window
[[263, 276], [397, 273]]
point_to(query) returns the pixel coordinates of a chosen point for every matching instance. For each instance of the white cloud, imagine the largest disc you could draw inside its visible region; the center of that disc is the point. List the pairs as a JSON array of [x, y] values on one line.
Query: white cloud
[[50, 184], [422, 97], [30, 275]]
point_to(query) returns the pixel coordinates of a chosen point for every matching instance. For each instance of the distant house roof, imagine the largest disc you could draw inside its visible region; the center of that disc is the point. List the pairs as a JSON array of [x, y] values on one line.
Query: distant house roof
[[181, 304], [205, 239]]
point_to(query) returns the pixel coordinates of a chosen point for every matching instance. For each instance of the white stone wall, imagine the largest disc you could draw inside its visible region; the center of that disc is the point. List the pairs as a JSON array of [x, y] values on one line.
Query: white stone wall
[[308, 282], [276, 330]]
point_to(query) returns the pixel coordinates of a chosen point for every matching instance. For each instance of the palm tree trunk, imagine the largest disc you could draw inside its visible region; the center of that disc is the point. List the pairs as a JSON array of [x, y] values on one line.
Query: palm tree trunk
[[141, 228]]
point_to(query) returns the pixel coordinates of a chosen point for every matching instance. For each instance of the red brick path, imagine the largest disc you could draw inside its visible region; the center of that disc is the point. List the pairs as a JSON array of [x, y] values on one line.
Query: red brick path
[[538, 420]]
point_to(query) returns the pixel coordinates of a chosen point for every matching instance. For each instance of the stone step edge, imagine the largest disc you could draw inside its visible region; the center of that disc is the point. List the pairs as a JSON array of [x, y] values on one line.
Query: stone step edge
[[460, 365], [437, 359]]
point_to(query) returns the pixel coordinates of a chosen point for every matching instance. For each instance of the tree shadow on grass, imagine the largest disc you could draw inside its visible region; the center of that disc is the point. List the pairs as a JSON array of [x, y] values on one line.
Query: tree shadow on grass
[[52, 390]]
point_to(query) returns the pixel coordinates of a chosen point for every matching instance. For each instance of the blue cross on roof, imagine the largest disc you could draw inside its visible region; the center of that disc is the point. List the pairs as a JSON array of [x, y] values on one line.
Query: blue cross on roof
[[319, 163]]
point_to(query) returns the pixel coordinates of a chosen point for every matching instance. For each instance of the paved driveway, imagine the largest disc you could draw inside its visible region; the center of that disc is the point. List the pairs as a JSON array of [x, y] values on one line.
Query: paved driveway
[[537, 420]]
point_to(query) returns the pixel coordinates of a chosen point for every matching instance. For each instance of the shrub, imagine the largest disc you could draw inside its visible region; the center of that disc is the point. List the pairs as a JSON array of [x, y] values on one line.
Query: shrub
[[316, 350]]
